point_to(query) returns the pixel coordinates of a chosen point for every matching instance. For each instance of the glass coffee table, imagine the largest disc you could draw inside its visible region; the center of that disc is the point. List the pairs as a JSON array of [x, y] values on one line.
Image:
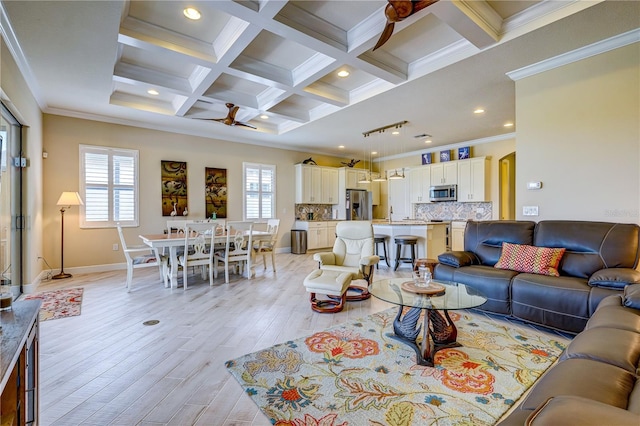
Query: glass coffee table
[[442, 332]]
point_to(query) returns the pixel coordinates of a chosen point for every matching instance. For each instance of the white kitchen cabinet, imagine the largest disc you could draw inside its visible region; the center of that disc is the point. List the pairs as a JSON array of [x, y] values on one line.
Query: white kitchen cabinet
[[316, 185], [398, 199], [457, 235], [419, 183], [472, 181], [329, 185], [320, 235], [444, 173]]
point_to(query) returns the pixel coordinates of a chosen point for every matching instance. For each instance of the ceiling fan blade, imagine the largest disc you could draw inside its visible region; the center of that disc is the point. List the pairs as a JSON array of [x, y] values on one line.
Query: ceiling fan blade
[[233, 110], [240, 123], [386, 35]]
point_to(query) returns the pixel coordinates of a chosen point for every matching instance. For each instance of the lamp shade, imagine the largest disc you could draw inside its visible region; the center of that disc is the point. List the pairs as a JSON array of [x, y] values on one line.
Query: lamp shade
[[70, 199]]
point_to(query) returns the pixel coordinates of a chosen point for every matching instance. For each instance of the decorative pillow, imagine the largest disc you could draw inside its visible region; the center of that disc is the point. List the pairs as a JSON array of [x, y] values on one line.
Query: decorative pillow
[[530, 259], [615, 278]]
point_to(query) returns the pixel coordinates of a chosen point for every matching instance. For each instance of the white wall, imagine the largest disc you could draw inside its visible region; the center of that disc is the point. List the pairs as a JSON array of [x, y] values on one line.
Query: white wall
[[579, 133]]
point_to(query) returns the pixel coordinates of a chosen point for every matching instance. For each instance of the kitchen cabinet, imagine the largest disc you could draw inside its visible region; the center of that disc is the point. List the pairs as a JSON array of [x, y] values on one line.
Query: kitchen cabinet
[[351, 181], [444, 173], [321, 234], [316, 184], [457, 235], [398, 199], [419, 183], [472, 181], [329, 185]]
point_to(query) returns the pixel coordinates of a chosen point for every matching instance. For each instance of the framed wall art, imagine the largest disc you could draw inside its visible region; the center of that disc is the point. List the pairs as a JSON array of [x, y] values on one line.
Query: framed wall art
[[445, 156], [464, 153], [174, 188], [427, 158], [215, 192]]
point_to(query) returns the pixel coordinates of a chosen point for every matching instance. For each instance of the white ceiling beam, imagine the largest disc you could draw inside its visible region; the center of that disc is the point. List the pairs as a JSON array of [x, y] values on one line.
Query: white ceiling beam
[[474, 20]]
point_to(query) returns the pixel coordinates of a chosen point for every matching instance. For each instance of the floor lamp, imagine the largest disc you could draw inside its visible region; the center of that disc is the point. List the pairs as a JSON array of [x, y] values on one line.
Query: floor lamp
[[66, 200]]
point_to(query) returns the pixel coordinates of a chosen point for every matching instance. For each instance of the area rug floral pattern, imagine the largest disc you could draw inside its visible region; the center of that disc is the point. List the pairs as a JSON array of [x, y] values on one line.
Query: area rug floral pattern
[[59, 303], [355, 374]]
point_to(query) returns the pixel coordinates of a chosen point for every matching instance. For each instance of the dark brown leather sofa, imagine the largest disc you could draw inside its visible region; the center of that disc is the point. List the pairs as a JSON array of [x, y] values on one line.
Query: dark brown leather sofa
[[600, 260], [596, 380]]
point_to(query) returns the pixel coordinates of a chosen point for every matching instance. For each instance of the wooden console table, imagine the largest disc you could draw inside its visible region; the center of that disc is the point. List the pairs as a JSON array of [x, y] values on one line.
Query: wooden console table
[[19, 364]]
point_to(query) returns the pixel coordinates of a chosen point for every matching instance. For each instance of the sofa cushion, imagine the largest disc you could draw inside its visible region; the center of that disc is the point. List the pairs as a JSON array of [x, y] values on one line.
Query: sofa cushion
[[491, 282], [530, 259], [632, 296], [614, 278], [584, 378], [610, 345], [611, 313], [573, 410], [485, 238], [590, 245]]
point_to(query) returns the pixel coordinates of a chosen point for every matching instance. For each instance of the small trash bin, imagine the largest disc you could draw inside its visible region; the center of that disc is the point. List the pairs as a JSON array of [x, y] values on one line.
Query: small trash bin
[[298, 241]]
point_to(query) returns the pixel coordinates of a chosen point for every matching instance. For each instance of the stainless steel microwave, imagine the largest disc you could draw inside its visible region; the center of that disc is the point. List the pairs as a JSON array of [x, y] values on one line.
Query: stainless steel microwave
[[443, 193]]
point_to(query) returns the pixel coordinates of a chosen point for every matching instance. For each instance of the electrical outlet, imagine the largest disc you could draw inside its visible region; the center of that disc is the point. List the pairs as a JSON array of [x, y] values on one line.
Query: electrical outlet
[[115, 247], [530, 210]]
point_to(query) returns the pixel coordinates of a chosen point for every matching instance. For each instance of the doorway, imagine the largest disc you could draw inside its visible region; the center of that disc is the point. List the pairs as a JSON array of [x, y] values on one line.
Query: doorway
[[11, 225], [507, 182]]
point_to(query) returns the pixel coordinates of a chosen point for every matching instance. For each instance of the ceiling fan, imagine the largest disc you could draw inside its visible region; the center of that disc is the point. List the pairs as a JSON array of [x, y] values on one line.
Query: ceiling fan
[[396, 11], [230, 119]]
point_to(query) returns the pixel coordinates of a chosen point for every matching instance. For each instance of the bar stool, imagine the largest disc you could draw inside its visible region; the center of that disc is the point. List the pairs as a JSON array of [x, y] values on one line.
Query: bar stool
[[381, 239], [405, 240]]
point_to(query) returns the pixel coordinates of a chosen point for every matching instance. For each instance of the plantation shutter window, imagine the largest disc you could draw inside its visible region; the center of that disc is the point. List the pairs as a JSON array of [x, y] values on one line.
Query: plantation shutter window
[[109, 186], [259, 191]]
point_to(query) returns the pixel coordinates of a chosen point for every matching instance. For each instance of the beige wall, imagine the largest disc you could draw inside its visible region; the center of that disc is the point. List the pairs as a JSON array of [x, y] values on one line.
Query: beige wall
[[19, 99], [579, 133], [90, 247]]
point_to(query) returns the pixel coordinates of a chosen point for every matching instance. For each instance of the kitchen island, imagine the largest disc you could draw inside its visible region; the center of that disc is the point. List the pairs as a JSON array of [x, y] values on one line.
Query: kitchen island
[[432, 237]]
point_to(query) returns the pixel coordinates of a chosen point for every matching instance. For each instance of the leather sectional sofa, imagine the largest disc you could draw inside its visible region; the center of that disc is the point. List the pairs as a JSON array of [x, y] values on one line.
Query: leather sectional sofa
[[596, 380], [599, 260]]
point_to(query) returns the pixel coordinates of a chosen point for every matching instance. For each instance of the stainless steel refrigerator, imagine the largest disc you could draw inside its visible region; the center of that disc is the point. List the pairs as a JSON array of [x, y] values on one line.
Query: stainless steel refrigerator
[[358, 205]]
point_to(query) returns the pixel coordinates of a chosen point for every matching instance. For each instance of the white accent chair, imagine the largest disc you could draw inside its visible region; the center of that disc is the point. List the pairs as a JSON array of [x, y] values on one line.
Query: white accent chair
[[352, 255], [142, 256], [198, 249], [238, 249], [264, 247]]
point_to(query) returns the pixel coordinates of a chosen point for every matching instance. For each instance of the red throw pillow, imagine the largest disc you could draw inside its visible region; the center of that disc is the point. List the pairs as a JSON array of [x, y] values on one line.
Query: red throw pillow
[[530, 259]]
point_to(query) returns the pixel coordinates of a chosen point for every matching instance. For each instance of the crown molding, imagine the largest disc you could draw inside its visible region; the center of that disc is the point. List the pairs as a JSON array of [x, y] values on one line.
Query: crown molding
[[576, 55]]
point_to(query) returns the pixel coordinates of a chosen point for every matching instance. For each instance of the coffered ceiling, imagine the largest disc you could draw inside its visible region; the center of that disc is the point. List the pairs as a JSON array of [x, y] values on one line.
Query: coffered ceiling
[[279, 62]]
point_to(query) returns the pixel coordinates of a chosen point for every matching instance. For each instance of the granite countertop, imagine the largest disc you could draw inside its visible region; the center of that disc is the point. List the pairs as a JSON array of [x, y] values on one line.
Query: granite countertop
[[409, 222], [16, 324]]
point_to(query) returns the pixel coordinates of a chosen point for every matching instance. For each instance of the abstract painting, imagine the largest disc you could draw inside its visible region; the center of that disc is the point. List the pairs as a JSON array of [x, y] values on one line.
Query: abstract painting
[[174, 188], [215, 192]]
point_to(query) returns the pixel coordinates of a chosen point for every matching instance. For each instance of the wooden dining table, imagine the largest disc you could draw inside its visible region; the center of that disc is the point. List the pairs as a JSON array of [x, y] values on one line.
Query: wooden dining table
[[174, 241]]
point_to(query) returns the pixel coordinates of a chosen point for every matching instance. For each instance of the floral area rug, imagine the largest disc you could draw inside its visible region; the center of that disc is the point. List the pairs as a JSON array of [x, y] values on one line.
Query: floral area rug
[[355, 374], [59, 303]]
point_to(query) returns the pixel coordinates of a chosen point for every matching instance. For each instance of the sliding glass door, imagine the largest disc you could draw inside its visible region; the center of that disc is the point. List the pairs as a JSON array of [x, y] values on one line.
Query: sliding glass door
[[11, 219]]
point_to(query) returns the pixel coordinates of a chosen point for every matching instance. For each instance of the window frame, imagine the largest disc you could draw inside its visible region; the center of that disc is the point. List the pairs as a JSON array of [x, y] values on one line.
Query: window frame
[[110, 152], [260, 167]]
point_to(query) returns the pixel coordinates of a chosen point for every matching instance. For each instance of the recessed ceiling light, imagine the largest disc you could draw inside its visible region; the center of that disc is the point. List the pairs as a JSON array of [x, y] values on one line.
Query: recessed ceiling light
[[343, 73], [374, 152], [428, 141], [153, 92], [478, 111], [508, 124], [192, 13], [341, 147], [395, 132], [264, 117]]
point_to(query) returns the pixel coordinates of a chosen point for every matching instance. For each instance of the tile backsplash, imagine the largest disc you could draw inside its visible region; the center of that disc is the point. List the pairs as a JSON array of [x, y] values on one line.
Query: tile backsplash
[[453, 211], [320, 211]]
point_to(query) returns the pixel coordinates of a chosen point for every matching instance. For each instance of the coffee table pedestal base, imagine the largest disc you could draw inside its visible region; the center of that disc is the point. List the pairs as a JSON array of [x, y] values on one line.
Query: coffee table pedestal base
[[441, 335]]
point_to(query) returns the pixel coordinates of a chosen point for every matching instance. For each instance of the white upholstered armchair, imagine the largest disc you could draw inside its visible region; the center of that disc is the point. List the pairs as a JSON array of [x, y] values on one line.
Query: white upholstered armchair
[[353, 252]]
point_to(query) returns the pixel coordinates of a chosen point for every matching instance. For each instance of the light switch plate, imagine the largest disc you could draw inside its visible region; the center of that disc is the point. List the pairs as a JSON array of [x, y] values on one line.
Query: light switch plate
[[530, 210]]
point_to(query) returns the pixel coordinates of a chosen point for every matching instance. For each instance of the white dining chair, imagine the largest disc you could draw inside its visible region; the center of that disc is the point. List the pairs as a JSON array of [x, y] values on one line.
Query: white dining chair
[[198, 250], [238, 249], [264, 247], [142, 256]]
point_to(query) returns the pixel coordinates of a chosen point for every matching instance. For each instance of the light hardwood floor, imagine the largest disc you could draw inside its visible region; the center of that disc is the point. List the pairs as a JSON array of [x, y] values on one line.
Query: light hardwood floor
[[105, 367]]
